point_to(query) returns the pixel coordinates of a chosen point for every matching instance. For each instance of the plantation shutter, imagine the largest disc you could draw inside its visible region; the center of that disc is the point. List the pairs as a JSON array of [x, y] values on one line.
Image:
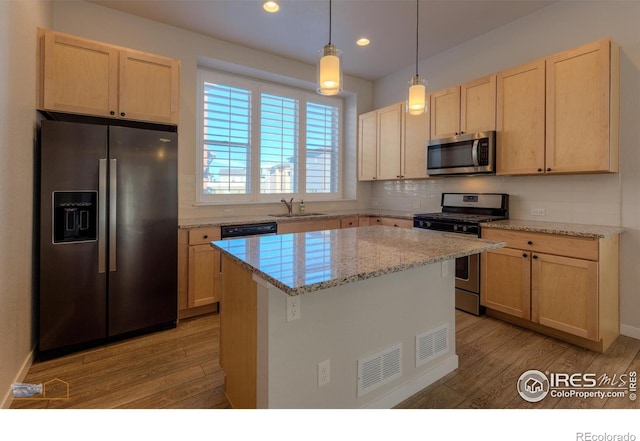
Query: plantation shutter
[[322, 148]]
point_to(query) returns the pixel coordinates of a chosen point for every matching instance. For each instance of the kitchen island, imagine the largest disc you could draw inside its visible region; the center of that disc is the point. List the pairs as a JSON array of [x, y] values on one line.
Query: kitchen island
[[350, 318]]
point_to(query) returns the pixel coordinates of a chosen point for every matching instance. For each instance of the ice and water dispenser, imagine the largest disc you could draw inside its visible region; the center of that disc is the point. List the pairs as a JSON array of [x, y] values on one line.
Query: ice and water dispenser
[[75, 216]]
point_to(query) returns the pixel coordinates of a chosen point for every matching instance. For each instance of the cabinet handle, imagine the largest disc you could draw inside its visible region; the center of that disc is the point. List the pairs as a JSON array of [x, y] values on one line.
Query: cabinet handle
[[535, 257], [539, 170], [529, 243], [398, 176], [549, 169], [112, 113], [206, 236], [525, 255], [122, 113]]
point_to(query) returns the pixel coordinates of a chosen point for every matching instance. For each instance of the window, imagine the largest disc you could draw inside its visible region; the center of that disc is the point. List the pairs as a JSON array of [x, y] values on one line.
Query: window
[[260, 142]]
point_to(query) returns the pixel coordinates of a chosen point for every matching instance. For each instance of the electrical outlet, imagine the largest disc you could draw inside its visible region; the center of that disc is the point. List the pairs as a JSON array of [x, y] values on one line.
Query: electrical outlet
[[293, 308], [323, 373], [444, 269], [537, 212]]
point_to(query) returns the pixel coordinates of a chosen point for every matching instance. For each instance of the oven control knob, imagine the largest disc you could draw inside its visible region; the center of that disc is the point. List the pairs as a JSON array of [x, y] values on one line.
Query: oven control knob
[[464, 228], [428, 224], [455, 228]]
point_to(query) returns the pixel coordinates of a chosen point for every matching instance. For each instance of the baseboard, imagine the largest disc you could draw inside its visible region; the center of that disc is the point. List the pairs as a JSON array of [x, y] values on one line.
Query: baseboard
[[630, 331], [404, 391], [24, 370]]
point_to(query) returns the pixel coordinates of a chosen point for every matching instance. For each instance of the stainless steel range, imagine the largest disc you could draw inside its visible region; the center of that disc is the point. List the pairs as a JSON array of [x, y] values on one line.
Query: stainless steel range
[[463, 213]]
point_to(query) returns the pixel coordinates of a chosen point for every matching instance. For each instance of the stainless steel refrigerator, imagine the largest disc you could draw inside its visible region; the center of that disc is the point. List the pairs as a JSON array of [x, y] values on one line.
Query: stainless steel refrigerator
[[108, 230]]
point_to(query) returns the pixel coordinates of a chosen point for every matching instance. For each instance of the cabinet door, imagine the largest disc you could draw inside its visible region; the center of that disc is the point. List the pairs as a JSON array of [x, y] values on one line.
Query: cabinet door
[[506, 281], [389, 141], [445, 113], [367, 146], [78, 76], [478, 105], [204, 275], [149, 87], [578, 110], [564, 294], [520, 121], [414, 146]]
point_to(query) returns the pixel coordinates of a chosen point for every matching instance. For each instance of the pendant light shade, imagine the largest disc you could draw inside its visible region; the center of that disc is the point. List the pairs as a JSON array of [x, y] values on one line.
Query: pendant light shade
[[416, 99], [329, 67]]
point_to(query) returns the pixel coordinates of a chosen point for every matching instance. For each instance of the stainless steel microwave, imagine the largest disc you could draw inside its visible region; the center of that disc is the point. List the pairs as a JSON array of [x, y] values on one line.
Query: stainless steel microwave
[[469, 153]]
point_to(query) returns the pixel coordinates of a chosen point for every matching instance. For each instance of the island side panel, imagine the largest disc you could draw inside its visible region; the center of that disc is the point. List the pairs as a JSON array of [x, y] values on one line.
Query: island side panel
[[238, 334], [347, 323]]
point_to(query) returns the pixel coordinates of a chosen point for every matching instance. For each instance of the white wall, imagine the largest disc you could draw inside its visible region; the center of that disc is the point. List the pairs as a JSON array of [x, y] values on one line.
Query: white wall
[[103, 24], [18, 23], [598, 199]]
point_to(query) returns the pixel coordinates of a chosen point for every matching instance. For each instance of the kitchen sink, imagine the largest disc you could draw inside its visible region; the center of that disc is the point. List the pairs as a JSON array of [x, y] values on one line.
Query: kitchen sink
[[296, 214]]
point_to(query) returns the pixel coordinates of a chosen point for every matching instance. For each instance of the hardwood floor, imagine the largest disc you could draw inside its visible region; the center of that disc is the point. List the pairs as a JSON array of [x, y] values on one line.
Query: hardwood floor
[[179, 368]]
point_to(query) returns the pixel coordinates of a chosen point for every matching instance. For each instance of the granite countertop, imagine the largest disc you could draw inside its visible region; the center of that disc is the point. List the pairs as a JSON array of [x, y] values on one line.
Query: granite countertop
[[306, 262], [249, 219], [564, 229]]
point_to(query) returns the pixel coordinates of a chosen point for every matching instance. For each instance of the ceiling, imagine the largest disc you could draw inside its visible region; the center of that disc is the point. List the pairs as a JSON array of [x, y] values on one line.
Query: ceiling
[[301, 27]]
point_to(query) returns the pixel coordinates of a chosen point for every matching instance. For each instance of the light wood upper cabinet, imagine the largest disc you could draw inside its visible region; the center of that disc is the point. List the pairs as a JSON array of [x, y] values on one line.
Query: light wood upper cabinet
[[445, 113], [583, 109], [149, 87], [467, 108], [413, 155], [389, 141], [520, 119], [82, 76], [368, 146], [560, 114], [392, 144]]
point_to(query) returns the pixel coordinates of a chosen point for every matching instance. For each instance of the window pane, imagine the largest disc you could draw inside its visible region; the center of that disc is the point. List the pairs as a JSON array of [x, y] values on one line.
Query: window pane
[[322, 148], [227, 140], [278, 144]]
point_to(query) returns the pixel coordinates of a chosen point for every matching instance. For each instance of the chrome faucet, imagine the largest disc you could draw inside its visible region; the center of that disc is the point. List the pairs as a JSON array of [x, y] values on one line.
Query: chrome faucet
[[288, 204]]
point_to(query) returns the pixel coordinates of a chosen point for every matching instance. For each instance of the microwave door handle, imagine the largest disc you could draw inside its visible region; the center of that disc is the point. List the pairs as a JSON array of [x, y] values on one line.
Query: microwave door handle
[[474, 152]]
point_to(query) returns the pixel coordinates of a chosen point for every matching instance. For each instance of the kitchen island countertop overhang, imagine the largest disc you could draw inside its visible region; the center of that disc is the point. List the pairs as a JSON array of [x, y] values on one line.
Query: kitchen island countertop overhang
[[313, 261]]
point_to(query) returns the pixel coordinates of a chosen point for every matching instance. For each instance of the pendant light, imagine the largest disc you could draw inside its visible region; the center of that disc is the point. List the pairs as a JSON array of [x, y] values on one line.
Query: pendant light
[[329, 67], [416, 104]]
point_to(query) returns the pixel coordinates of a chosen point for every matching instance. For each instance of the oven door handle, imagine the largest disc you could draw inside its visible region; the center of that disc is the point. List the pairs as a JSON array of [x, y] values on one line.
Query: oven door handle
[[474, 152]]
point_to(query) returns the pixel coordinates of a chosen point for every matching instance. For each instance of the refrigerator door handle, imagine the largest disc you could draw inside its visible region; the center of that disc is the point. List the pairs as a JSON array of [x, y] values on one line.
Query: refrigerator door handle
[[102, 216], [113, 199]]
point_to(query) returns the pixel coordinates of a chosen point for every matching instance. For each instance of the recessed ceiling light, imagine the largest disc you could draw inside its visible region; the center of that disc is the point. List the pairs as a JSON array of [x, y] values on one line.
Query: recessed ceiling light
[[271, 6], [363, 41]]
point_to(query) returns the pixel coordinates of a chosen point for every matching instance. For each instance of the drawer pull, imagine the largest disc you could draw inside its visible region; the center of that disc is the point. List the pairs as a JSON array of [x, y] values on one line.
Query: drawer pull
[[529, 243], [525, 255], [206, 236], [535, 257]]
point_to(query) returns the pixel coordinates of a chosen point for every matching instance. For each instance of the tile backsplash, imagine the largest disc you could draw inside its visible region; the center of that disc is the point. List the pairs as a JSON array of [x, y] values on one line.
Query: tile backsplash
[[593, 199]]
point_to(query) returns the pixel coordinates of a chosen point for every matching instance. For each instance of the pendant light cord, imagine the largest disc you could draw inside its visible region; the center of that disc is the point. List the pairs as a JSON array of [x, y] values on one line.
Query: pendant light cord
[[329, 21], [417, 22]]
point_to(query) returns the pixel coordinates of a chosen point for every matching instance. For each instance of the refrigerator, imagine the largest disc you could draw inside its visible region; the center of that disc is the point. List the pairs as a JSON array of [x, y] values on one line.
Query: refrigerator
[[107, 233]]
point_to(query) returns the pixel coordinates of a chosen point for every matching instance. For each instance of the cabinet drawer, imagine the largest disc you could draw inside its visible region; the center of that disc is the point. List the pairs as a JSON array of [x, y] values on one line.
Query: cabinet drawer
[[347, 222], [198, 236], [393, 222], [580, 247]]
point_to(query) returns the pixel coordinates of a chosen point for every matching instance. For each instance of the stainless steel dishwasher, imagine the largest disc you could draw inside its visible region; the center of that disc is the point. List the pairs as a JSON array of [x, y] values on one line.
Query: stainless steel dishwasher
[[246, 230]]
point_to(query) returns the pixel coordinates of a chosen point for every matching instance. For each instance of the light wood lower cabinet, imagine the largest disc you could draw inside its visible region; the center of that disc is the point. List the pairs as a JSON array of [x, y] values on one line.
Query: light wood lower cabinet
[[566, 287], [200, 277]]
